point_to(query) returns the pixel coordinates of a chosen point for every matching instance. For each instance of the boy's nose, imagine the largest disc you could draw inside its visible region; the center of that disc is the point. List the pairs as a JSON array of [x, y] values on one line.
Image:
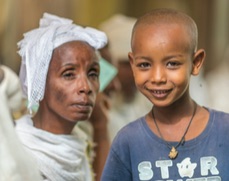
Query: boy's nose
[[158, 75]]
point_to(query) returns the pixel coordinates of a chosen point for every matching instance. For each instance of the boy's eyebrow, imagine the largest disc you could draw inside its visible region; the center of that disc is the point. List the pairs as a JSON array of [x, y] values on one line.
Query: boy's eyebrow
[[165, 58], [173, 56], [142, 57]]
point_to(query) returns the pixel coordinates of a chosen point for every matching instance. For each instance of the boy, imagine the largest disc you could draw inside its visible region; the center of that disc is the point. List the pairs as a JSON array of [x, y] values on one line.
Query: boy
[[178, 139]]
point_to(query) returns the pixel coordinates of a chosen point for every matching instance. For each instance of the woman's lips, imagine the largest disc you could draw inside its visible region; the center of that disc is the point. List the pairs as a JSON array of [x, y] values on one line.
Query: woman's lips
[[83, 106]]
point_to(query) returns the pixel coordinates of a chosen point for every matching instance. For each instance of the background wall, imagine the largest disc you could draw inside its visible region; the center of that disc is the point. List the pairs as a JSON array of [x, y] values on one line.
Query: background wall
[[19, 16]]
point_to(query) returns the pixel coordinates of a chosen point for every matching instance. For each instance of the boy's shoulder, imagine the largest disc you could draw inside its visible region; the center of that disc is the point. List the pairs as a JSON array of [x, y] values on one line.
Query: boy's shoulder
[[129, 131], [133, 125], [218, 113], [218, 119]]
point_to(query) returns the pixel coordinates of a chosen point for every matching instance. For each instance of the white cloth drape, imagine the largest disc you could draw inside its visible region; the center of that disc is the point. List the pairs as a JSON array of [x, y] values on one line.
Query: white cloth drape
[[59, 157], [15, 163]]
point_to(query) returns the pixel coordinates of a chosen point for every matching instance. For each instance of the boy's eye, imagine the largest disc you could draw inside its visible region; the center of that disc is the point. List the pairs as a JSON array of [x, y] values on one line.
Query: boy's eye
[[143, 65], [173, 64]]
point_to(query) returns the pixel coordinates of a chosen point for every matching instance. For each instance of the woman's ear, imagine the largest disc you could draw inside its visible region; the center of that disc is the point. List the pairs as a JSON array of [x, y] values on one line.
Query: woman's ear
[[198, 61]]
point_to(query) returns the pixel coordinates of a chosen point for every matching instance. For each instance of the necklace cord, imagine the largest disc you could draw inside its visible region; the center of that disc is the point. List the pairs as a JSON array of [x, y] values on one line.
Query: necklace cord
[[183, 137]]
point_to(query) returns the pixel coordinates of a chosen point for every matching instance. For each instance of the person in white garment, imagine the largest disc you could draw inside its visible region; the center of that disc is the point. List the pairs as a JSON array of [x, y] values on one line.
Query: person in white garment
[[218, 84], [13, 166], [127, 104], [60, 73], [10, 91]]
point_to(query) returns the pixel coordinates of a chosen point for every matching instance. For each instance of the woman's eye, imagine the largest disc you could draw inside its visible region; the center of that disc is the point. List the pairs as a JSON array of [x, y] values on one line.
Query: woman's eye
[[93, 73], [68, 75]]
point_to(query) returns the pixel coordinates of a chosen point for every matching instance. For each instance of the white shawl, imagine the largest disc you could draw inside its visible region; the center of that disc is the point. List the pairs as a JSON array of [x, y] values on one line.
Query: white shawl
[[15, 163], [10, 88], [59, 157]]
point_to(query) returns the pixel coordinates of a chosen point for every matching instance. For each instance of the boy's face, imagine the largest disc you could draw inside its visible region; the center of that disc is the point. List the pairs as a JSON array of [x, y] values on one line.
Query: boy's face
[[72, 82], [162, 62]]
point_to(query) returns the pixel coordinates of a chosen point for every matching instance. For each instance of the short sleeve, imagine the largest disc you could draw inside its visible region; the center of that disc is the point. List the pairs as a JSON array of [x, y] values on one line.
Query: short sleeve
[[115, 170]]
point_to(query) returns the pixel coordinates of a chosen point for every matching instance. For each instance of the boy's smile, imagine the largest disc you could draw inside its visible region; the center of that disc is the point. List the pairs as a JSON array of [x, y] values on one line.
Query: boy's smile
[[160, 93]]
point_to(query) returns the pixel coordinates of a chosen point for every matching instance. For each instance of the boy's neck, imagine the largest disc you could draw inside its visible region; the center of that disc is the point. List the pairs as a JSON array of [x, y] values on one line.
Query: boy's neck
[[173, 122], [175, 112]]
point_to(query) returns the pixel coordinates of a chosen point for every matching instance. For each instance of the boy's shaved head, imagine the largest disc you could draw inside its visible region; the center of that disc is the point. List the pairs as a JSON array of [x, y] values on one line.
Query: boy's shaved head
[[169, 16]]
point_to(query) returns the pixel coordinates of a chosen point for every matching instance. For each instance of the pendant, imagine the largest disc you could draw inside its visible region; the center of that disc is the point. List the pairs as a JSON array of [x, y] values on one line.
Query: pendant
[[173, 153]]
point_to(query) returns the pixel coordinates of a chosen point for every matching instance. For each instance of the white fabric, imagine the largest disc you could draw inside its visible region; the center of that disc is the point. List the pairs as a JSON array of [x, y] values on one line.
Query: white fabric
[[218, 85], [37, 46], [88, 129], [10, 88], [118, 29], [15, 163], [59, 157]]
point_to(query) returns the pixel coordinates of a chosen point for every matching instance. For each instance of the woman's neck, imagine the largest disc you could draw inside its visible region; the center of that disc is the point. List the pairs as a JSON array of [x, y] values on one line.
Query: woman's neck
[[52, 123]]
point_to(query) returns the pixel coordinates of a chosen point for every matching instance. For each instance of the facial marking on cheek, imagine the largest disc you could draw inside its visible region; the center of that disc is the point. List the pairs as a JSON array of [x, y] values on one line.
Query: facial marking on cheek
[[60, 95]]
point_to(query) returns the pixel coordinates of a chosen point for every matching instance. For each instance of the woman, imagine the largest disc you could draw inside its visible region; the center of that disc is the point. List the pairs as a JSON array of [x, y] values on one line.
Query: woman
[[60, 72]]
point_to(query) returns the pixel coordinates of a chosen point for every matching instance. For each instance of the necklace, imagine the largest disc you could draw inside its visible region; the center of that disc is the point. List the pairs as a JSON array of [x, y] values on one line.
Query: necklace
[[173, 149]]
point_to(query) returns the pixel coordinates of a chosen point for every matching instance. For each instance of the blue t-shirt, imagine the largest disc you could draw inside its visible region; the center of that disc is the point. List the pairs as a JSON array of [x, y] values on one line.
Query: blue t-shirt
[[138, 154]]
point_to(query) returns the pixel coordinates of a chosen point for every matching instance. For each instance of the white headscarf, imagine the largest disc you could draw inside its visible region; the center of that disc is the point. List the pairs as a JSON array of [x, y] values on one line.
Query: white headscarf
[[37, 47]]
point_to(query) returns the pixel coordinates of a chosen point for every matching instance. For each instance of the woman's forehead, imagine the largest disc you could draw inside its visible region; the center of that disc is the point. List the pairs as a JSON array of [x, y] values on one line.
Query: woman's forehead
[[75, 44], [75, 48], [77, 53]]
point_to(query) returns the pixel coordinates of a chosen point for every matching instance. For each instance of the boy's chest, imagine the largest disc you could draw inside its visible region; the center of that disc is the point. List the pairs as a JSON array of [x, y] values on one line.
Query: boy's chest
[[205, 162]]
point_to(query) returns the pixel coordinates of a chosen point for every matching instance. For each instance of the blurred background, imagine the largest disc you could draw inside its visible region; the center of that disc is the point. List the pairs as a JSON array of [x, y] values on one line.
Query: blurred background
[[20, 16]]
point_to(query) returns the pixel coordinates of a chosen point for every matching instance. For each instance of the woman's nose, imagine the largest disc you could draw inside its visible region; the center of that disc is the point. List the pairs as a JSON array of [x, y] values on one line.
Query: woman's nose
[[84, 85]]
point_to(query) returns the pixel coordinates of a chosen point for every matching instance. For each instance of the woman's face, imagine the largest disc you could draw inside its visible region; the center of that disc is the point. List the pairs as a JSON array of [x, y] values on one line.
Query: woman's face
[[72, 82]]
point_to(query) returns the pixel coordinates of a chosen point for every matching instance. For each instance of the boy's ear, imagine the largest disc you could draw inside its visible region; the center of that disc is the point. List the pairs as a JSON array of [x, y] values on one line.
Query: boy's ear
[[198, 61], [131, 58]]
